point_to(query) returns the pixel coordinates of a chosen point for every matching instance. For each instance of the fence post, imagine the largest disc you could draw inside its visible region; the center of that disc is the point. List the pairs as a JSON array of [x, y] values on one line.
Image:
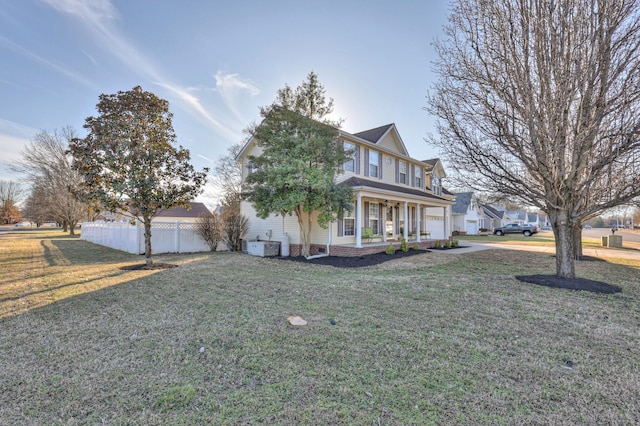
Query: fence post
[[177, 237], [138, 237]]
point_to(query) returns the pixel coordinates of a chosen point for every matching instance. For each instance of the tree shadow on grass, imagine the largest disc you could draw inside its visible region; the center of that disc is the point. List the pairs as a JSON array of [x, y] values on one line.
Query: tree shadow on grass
[[583, 284], [145, 267]]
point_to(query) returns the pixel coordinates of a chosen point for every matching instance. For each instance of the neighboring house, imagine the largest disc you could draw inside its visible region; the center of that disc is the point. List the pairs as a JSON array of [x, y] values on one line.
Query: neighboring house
[[491, 216], [395, 196], [465, 214], [174, 214], [517, 216], [180, 214]]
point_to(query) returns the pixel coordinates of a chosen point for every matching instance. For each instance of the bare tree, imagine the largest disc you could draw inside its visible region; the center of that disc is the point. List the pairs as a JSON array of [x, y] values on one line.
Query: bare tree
[[539, 100], [46, 164], [11, 194], [209, 227], [228, 178], [235, 225], [38, 204]]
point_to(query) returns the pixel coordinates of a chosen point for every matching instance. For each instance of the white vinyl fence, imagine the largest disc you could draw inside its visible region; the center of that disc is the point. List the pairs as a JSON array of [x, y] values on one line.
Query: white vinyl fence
[[166, 237]]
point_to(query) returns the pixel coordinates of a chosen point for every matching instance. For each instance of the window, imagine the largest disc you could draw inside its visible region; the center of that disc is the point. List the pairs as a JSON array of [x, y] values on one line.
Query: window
[[374, 217], [349, 222], [350, 165], [403, 172], [374, 161], [418, 177], [435, 185]]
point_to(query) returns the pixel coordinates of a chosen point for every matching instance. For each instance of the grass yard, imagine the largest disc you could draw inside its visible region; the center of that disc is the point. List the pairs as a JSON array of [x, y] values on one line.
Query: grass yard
[[435, 338]]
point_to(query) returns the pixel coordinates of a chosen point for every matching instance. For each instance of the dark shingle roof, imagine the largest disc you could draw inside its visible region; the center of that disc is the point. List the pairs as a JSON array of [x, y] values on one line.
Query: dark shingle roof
[[196, 210], [491, 211], [373, 135], [432, 162], [463, 200], [355, 181]]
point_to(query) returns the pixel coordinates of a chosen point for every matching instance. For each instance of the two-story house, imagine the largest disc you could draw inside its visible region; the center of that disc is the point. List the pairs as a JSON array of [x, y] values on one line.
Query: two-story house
[[395, 197]]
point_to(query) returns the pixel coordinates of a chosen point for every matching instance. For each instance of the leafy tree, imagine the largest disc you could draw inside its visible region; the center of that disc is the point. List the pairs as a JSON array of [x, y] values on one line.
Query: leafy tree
[[128, 160], [301, 155], [46, 165], [295, 174], [307, 99], [539, 101]]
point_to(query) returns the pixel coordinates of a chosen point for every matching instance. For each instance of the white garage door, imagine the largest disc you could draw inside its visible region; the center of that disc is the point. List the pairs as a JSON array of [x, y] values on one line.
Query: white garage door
[[471, 227]]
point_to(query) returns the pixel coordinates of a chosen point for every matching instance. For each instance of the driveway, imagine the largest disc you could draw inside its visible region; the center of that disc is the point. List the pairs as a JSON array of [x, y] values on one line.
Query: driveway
[[603, 252]]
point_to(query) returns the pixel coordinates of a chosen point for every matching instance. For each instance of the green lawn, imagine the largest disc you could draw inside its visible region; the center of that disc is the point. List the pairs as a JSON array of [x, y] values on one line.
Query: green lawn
[[435, 338]]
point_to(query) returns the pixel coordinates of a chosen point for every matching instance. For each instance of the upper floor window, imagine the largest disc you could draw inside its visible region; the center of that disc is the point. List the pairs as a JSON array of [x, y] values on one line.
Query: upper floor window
[[436, 185], [374, 161], [350, 165], [402, 177], [418, 177]]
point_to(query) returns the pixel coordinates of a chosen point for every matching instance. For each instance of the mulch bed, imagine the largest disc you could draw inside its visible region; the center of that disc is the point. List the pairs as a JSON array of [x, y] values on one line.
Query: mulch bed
[[355, 262], [570, 283]]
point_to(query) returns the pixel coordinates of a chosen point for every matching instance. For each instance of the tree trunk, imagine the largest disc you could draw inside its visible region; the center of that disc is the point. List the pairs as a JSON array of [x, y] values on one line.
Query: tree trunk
[[147, 241], [304, 221], [563, 231], [577, 242]]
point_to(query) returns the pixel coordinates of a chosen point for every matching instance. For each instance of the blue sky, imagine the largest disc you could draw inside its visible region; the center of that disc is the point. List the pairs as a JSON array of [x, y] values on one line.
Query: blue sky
[[216, 62]]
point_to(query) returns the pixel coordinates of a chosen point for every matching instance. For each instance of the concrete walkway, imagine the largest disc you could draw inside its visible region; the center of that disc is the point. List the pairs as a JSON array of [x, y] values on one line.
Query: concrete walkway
[[603, 252]]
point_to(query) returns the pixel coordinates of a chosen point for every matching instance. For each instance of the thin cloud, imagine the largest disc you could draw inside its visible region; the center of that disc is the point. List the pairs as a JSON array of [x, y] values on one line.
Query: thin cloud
[[99, 17], [13, 138], [230, 87], [195, 104], [205, 158], [30, 55]]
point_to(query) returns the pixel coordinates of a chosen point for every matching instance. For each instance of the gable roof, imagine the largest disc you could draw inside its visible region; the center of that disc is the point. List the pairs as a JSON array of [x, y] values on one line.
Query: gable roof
[[432, 162], [374, 135], [463, 201], [492, 211], [196, 210]]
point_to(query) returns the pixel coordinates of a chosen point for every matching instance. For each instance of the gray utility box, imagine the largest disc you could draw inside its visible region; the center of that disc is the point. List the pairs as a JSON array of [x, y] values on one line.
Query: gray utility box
[[263, 248], [612, 241]]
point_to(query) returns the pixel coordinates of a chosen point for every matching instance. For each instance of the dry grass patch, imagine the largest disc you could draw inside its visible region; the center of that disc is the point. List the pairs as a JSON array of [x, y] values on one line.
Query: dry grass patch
[[431, 339], [39, 268]]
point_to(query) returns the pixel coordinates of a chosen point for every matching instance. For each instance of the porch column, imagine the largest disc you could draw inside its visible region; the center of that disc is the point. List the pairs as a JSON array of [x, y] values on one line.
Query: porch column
[[418, 220], [406, 221], [444, 221], [383, 218], [359, 221]]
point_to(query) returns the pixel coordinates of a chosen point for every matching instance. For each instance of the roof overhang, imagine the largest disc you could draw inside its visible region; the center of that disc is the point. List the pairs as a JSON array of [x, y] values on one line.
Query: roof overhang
[[394, 192]]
